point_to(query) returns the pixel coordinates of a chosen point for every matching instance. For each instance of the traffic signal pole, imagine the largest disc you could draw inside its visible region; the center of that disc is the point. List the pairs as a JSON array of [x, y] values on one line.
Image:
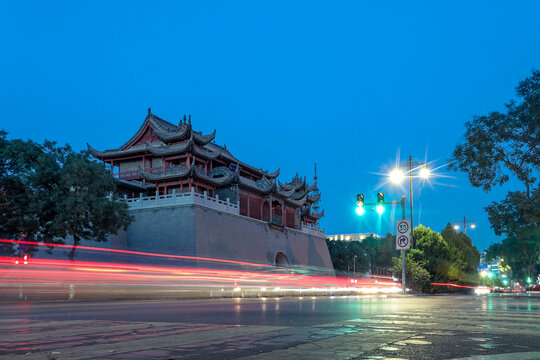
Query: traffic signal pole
[[380, 201]]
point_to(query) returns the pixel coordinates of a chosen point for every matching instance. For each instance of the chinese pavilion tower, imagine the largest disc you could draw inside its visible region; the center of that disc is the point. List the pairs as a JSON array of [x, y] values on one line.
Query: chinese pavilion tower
[[179, 178]]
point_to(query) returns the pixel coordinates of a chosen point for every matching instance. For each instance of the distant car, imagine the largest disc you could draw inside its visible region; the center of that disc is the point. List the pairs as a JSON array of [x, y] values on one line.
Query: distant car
[[535, 287], [482, 290]]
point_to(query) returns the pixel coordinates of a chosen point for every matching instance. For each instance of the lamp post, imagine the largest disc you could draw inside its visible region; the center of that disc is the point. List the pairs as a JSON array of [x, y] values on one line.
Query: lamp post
[[397, 176], [464, 221], [354, 266]]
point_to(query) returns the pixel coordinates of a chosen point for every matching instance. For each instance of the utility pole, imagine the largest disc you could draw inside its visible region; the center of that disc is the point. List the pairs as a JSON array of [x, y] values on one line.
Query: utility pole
[[464, 221]]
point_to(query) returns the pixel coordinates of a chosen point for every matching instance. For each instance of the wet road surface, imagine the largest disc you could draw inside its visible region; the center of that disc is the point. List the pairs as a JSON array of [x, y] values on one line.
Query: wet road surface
[[410, 327]]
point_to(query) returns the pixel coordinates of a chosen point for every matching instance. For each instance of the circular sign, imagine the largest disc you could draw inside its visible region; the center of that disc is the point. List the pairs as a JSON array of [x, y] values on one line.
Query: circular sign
[[403, 241], [23, 246], [403, 227]]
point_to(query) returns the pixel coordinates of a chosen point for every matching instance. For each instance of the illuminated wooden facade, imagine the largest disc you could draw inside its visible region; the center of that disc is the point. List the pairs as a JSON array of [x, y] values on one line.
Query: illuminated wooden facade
[[163, 158]]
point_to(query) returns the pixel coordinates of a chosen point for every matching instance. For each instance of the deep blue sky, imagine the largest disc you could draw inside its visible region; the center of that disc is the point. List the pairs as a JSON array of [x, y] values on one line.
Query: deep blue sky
[[286, 84]]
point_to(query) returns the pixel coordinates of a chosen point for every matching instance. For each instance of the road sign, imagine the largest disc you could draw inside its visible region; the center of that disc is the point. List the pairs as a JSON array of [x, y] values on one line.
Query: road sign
[[403, 235]]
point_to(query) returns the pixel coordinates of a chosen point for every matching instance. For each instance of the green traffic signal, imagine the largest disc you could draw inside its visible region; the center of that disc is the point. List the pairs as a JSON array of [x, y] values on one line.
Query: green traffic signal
[[380, 198], [379, 209], [360, 210]]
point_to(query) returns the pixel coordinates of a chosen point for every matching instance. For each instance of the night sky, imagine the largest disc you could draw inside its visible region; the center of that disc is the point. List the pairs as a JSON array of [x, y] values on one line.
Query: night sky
[[353, 86]]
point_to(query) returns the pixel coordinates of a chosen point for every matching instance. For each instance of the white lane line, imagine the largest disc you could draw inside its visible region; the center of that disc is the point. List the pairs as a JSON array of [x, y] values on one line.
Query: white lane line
[[533, 355]]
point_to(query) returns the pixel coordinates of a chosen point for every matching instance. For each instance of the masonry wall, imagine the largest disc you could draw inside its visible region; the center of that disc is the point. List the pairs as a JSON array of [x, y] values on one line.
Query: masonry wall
[[197, 231]]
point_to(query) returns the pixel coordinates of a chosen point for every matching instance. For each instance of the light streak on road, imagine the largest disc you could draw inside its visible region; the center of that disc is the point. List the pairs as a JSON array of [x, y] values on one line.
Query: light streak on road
[[216, 276]]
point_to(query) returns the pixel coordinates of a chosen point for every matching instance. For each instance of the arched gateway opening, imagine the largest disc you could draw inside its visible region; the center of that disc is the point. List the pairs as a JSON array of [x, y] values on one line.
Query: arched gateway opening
[[281, 260]]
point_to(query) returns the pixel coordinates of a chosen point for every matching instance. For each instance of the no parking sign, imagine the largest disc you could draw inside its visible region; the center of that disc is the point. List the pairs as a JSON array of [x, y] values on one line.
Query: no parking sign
[[403, 235]]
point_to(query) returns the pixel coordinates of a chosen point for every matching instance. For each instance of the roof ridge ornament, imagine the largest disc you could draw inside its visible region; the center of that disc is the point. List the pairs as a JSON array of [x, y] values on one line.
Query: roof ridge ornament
[[149, 111]]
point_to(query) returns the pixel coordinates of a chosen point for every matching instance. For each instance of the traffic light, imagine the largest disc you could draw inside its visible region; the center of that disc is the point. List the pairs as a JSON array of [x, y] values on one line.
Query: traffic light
[[380, 203], [360, 204]]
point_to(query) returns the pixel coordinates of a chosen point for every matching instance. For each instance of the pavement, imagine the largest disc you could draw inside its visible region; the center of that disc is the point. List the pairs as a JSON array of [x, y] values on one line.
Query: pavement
[[354, 327]]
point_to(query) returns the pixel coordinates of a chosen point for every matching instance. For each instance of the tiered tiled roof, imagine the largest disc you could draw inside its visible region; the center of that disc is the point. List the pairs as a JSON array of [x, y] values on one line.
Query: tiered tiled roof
[[159, 138]]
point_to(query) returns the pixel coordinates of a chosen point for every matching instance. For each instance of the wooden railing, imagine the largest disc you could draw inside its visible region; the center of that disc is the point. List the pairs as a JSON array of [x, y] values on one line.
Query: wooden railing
[[187, 198]]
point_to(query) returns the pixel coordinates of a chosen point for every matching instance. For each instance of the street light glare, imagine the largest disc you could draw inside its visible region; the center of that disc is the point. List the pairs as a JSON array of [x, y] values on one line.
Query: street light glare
[[425, 173], [396, 176], [473, 226], [456, 227]]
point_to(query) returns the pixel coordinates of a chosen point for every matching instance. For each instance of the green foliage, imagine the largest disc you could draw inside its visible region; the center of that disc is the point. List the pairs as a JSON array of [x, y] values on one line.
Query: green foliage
[[343, 254], [519, 220], [84, 203], [436, 254], [379, 251], [372, 253], [49, 192], [441, 258], [500, 145], [464, 257], [417, 277]]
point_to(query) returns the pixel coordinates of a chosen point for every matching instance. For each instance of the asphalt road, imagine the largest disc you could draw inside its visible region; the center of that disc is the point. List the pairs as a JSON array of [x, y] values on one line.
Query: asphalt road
[[409, 327]]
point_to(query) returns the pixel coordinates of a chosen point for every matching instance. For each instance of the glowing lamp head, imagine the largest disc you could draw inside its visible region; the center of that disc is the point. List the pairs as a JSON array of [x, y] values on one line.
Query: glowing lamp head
[[456, 227], [483, 273], [529, 280], [490, 275], [360, 210], [379, 209], [473, 226], [396, 176], [425, 173]]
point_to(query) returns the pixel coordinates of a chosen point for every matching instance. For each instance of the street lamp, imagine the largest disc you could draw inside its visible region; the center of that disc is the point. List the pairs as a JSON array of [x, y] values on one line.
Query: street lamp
[[397, 176], [464, 221]]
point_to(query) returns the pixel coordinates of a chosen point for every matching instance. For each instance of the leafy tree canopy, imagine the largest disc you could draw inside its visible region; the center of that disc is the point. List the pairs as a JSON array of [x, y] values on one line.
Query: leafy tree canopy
[[518, 219], [49, 192], [498, 145]]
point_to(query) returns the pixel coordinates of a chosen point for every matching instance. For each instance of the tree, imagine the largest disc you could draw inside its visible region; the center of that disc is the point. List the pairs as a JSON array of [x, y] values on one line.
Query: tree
[[464, 257], [417, 277], [495, 147], [48, 192], [379, 251], [500, 144], [28, 173], [517, 218], [435, 253], [342, 254], [85, 204]]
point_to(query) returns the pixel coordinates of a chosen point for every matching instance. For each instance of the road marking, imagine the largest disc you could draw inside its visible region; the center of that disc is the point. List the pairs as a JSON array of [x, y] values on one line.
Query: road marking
[[90, 330], [160, 341], [534, 355], [44, 324]]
